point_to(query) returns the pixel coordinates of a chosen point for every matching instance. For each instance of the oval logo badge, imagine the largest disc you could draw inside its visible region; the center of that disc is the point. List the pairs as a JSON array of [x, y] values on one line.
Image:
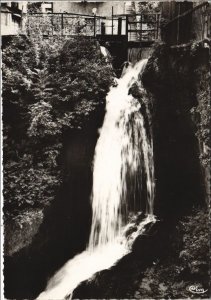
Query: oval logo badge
[[195, 289]]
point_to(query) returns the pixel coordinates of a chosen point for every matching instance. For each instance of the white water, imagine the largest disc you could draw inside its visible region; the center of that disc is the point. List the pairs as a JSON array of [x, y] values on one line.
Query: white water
[[104, 51], [122, 153]]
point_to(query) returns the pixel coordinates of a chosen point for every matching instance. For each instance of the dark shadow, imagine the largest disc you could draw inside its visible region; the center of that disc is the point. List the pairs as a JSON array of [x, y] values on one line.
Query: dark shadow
[[66, 225]]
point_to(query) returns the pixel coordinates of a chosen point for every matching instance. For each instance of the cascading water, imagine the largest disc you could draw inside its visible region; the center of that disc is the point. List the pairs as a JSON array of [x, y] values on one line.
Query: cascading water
[[123, 153]]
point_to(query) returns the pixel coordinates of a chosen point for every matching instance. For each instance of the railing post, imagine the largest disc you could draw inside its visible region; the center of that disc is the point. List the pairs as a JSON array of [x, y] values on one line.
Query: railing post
[[178, 26], [203, 23], [119, 26], [62, 20], [94, 25], [141, 28], [103, 28], [112, 20], [127, 27], [178, 31]]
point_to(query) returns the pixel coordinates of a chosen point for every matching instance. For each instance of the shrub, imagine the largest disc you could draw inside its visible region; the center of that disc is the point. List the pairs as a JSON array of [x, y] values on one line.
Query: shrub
[[49, 87]]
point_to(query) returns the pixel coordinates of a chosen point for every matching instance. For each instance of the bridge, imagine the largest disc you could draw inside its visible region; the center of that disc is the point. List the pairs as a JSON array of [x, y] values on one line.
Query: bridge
[[136, 28], [121, 34]]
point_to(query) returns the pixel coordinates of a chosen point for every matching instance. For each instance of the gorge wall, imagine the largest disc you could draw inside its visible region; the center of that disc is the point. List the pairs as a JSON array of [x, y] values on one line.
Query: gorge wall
[[178, 78]]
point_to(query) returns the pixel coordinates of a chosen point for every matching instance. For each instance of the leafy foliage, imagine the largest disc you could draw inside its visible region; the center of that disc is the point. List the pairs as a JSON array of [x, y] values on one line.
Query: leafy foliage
[[49, 86], [34, 7], [202, 113], [26, 185], [148, 6]]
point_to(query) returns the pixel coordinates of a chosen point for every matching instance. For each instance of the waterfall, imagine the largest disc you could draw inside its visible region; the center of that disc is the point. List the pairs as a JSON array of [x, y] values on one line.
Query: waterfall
[[123, 155], [121, 145]]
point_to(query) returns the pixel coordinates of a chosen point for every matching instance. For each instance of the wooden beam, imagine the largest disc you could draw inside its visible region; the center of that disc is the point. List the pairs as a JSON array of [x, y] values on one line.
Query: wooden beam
[[141, 30], [66, 14]]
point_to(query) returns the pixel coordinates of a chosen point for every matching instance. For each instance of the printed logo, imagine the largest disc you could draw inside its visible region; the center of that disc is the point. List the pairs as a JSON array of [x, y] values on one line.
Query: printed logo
[[195, 289]]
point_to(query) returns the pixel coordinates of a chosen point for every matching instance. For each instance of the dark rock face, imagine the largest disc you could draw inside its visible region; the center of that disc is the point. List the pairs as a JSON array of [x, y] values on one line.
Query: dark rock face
[[66, 226], [171, 78], [117, 48]]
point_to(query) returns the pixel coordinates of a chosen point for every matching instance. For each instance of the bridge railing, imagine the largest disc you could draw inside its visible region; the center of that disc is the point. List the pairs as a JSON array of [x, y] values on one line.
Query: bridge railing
[[140, 27], [113, 25], [70, 24], [144, 27], [195, 24], [136, 27]]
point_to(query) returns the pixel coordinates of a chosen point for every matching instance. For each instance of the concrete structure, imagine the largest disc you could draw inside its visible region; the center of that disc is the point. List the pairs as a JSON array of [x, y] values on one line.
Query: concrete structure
[[12, 14], [47, 7]]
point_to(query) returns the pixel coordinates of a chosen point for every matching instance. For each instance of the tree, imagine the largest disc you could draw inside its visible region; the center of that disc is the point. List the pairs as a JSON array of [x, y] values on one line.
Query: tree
[[49, 87]]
